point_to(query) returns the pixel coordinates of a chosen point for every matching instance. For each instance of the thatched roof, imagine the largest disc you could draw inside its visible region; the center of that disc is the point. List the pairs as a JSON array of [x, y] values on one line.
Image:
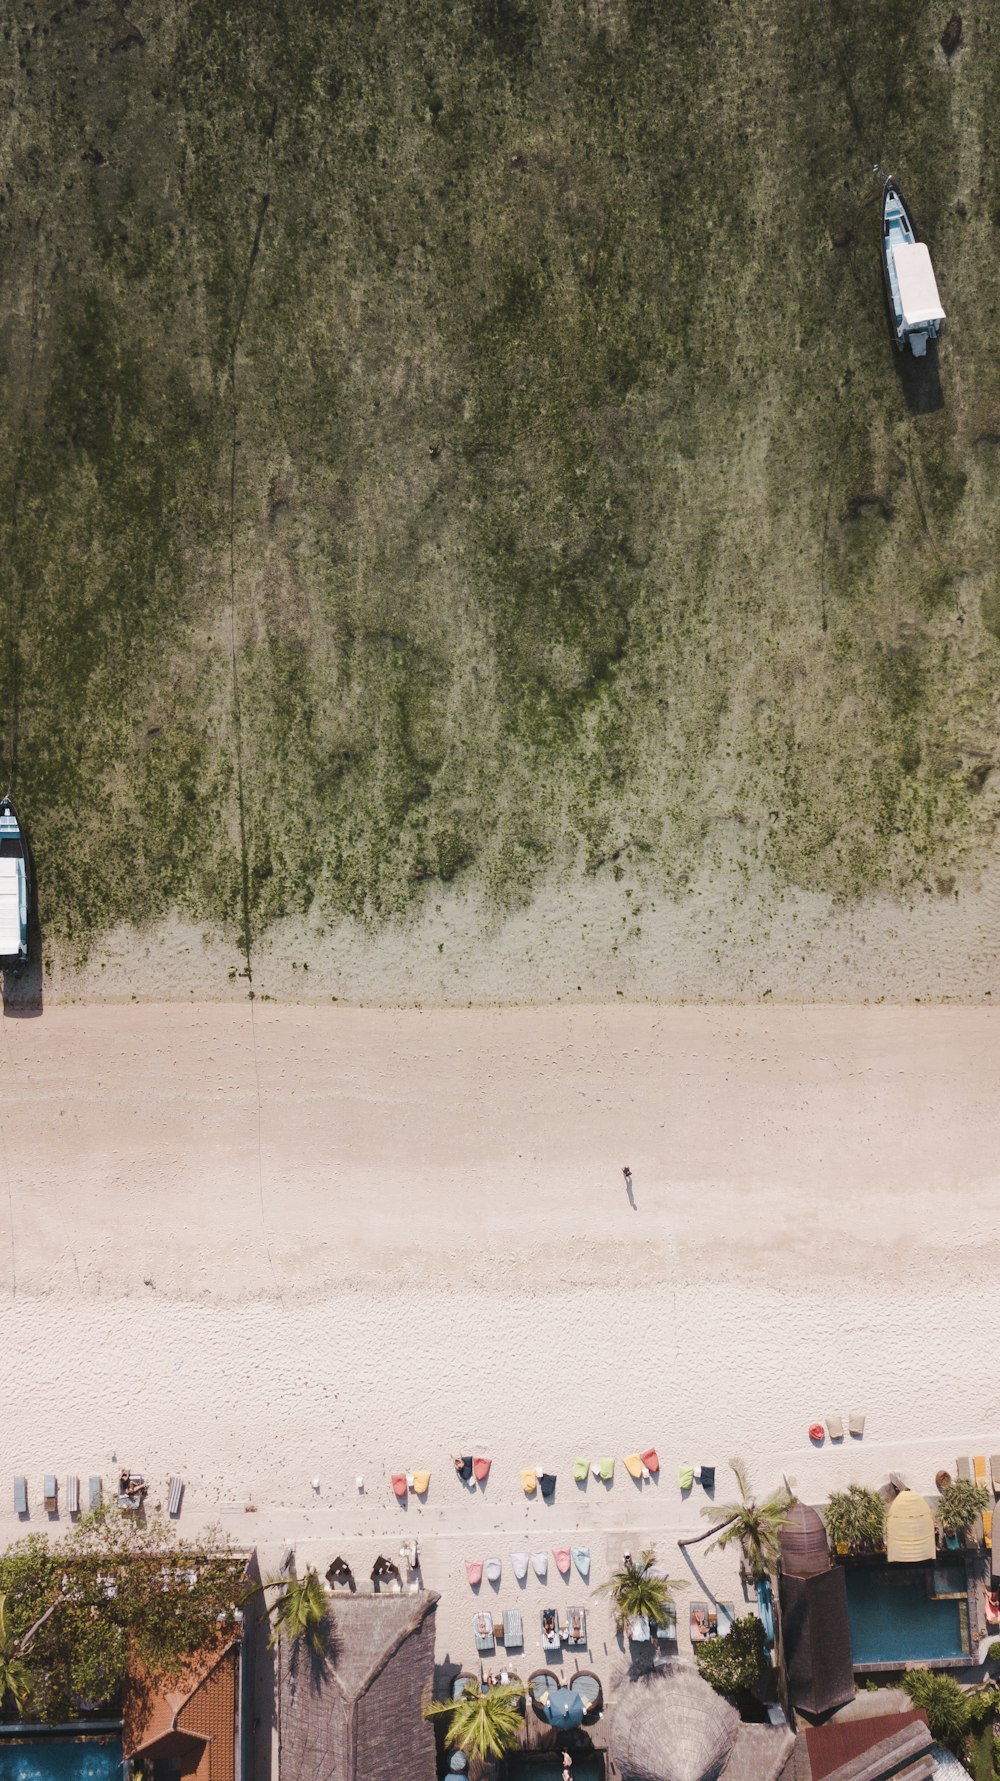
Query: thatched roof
[[817, 1639], [804, 1546], [669, 1725], [356, 1714]]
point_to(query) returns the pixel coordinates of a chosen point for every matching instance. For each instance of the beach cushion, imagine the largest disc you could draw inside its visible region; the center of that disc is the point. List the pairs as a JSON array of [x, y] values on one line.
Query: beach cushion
[[481, 1467], [547, 1485], [519, 1564], [561, 1556], [399, 1483], [580, 1469], [421, 1482], [605, 1470], [685, 1475], [581, 1559], [540, 1564], [463, 1466], [493, 1569], [633, 1465], [474, 1571], [528, 1481], [650, 1459]]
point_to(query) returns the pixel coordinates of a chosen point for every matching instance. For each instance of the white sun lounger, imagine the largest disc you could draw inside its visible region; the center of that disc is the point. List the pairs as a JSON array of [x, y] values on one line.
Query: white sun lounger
[[21, 1495], [174, 1498], [94, 1493], [71, 1485], [482, 1627], [50, 1493], [513, 1629]]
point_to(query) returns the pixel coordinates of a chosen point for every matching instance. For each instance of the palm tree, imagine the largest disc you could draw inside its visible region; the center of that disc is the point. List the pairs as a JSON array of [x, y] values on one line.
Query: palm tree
[[757, 1526], [300, 1610], [637, 1593], [482, 1723]]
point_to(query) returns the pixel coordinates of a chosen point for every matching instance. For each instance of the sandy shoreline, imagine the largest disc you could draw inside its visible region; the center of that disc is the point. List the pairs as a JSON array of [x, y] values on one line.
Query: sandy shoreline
[[332, 1242]]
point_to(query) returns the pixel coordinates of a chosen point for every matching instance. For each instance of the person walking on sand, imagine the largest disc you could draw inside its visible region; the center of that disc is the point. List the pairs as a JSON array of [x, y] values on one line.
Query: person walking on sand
[[628, 1175]]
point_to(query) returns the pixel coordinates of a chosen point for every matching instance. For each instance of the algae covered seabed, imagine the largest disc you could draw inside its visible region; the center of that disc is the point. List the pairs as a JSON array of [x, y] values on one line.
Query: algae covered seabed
[[466, 529]]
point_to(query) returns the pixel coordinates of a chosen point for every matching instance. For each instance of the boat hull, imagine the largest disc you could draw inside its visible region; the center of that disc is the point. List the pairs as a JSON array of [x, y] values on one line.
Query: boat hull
[[899, 231]]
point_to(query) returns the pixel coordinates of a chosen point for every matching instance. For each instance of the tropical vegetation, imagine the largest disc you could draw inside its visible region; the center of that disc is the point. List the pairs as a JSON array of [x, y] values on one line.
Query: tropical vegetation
[[755, 1525], [638, 1592], [484, 1723], [944, 1702], [960, 1503], [300, 1611], [855, 1518], [119, 1597], [734, 1663]]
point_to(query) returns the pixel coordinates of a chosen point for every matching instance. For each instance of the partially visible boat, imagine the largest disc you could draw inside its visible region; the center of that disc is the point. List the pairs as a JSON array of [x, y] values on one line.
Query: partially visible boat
[[914, 299], [14, 886]]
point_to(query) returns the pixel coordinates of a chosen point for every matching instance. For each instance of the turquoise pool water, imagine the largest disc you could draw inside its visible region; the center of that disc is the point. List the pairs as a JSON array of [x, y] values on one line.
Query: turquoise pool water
[[61, 1759], [893, 1619]]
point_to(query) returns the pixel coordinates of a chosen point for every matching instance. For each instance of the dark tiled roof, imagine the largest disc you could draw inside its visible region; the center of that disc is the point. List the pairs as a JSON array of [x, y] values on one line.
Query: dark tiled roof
[[892, 1744], [356, 1713], [817, 1640]]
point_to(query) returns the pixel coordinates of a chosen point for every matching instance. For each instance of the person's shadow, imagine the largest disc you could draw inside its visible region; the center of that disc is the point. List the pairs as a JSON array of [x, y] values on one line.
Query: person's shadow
[[631, 1195]]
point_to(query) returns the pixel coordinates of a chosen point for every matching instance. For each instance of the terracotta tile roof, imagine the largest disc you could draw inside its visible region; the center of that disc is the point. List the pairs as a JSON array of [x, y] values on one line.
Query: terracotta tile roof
[[842, 1741], [194, 1720]]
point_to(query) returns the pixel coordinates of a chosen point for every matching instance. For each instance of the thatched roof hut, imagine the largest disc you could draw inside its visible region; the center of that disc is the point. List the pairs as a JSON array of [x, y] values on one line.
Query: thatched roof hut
[[356, 1713], [805, 1550], [669, 1725]]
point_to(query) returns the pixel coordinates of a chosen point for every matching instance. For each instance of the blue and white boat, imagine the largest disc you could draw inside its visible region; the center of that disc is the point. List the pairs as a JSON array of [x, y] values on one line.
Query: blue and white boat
[[14, 887], [914, 301]]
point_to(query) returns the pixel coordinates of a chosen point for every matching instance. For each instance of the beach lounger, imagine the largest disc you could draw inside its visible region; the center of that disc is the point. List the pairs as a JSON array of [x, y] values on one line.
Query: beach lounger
[[667, 1629], [727, 1614], [988, 1529], [979, 1468], [421, 1483], [482, 1627], [519, 1565], [474, 1571], [835, 1428], [493, 1570], [633, 1465], [963, 1470], [856, 1424], [463, 1469], [460, 1684], [561, 1556], [547, 1485], [685, 1476], [94, 1493], [551, 1640], [698, 1625], [576, 1626], [580, 1469], [995, 1473], [708, 1477], [650, 1459], [638, 1630], [71, 1485], [899, 1483], [713, 1621], [540, 1565], [20, 1495], [513, 1630], [606, 1470], [174, 1496], [481, 1469], [50, 1494], [581, 1559], [529, 1481]]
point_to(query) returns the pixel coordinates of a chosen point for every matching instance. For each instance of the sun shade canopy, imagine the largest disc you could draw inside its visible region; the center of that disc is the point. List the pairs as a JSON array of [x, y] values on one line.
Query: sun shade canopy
[[918, 290], [909, 1530]]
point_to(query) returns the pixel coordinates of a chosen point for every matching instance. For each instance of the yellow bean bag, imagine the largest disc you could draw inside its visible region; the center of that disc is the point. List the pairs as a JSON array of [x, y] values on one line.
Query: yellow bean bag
[[633, 1465], [421, 1480], [528, 1482]]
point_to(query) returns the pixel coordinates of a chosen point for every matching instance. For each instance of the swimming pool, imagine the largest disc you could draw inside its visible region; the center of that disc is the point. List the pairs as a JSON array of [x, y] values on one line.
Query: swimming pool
[[587, 1766], [894, 1620], [61, 1759]]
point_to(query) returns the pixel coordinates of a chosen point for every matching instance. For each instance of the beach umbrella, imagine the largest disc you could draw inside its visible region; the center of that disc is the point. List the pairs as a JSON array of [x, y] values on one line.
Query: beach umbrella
[[564, 1709]]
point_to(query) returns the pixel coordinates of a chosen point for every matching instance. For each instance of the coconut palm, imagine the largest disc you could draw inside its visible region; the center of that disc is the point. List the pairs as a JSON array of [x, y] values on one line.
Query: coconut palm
[[636, 1592], [300, 1611], [756, 1526], [483, 1723]]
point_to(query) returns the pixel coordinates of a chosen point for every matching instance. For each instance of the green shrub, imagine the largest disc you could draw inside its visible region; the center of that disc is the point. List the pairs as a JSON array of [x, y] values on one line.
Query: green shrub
[[960, 1503], [855, 1518], [993, 1653], [944, 1703], [734, 1663]]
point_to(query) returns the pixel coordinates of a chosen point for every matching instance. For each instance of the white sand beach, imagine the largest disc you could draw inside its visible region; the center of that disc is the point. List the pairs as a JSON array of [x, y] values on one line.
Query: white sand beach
[[257, 1247]]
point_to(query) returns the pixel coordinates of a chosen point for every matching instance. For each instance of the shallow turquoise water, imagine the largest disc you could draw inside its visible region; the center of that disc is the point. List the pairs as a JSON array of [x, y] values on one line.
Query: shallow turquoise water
[[892, 1618], [61, 1759]]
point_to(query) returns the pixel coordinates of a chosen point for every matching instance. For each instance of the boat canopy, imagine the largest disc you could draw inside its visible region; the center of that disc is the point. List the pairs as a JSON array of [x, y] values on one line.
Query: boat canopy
[[909, 1530], [918, 292], [10, 908]]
